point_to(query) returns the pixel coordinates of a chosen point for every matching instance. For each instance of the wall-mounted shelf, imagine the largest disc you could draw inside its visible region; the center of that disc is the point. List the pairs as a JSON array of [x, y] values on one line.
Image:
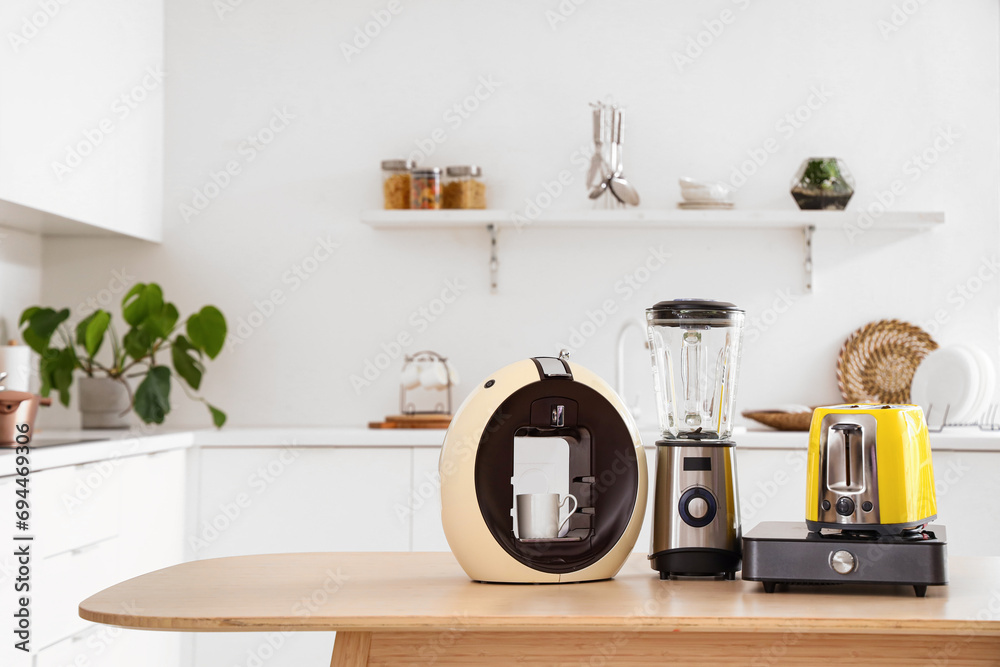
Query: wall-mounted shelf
[[808, 221]]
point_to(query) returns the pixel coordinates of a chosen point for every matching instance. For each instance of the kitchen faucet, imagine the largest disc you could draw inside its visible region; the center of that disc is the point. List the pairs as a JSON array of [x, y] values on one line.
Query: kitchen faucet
[[620, 362]]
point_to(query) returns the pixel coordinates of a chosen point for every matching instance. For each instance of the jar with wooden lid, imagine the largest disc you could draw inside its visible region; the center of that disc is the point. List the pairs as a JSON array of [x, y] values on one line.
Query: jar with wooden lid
[[464, 187], [396, 183], [425, 188]]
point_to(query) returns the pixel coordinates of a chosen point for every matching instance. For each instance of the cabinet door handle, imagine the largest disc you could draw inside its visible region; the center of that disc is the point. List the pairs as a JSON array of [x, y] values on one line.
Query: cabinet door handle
[[84, 549]]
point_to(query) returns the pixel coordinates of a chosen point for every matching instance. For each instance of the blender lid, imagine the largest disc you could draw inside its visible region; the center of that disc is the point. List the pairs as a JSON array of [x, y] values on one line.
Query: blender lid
[[695, 308]]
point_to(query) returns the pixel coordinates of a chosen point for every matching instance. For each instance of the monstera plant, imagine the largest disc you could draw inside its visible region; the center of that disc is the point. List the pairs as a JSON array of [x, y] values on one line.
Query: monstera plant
[[156, 346]]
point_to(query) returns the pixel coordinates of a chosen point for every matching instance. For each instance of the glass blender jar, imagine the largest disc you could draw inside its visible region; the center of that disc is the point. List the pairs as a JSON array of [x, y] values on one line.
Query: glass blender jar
[[695, 350]]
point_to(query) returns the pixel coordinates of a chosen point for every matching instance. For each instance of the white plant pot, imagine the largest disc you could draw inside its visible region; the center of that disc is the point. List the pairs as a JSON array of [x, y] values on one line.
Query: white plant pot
[[104, 403]]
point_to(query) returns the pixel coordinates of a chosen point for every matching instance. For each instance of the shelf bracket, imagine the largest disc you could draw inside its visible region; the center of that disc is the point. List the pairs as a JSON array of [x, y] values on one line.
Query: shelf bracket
[[808, 232], [494, 260]]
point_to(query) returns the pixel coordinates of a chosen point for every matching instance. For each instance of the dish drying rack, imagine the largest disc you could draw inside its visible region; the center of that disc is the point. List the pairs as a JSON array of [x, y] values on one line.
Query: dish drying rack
[[987, 422], [407, 406]]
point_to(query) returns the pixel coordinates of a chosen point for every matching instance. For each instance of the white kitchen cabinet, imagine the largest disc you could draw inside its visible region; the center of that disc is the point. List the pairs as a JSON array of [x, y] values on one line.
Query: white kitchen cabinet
[[81, 116], [771, 485], [97, 524], [968, 486], [280, 500], [154, 493]]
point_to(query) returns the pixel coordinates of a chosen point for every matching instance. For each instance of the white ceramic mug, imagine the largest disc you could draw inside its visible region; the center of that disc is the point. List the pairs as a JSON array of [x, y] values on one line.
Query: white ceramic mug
[[434, 376], [410, 377], [538, 515]]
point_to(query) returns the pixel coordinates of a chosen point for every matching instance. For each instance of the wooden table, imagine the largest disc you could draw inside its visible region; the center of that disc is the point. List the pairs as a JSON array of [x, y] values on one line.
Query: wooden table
[[419, 608]]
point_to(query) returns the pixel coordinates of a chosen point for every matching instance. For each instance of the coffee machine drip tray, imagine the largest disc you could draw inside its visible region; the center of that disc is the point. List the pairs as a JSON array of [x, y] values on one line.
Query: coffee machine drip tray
[[786, 552]]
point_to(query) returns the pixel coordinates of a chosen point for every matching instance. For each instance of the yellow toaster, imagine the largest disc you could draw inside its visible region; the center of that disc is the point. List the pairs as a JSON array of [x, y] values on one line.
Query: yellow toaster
[[869, 469]]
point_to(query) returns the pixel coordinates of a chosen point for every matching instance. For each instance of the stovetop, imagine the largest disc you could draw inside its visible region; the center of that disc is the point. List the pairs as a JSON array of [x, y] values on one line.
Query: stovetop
[[50, 443]]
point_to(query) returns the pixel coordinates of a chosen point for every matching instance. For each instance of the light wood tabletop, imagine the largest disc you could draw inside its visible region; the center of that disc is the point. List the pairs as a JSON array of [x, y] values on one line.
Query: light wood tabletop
[[418, 608]]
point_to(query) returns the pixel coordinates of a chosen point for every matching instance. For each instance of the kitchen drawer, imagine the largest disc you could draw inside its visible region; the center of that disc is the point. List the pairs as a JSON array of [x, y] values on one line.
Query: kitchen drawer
[[75, 506], [61, 582], [106, 646]]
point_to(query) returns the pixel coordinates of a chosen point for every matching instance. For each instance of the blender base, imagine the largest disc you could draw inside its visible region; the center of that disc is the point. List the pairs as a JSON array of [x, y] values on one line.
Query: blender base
[[696, 562]]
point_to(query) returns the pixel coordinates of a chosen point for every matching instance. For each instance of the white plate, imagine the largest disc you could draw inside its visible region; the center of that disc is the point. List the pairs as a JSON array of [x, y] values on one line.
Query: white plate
[[987, 381], [948, 376]]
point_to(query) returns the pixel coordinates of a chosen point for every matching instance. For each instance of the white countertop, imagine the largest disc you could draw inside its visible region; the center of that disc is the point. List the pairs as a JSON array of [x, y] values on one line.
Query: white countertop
[[116, 444]]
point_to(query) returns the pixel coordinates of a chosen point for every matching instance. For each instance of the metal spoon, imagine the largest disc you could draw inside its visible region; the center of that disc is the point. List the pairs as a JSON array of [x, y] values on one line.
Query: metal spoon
[[598, 167], [620, 187]]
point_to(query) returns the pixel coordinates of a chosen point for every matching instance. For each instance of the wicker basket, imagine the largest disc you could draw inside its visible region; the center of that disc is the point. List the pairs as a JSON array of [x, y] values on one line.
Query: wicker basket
[[782, 421], [877, 362]]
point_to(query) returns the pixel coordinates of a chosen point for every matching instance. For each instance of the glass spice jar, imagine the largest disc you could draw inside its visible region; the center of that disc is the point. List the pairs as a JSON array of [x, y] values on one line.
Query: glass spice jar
[[396, 183], [425, 188], [464, 188]]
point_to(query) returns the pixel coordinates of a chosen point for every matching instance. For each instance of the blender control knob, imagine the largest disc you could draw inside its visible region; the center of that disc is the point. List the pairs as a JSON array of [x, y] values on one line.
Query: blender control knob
[[843, 562], [697, 507]]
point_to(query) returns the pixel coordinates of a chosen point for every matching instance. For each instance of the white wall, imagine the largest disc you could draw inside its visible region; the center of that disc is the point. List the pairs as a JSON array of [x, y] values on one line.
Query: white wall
[[20, 277], [889, 97]]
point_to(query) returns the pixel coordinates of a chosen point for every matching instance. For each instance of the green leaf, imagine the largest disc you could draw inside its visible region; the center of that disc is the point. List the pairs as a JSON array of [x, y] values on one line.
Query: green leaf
[[138, 343], [56, 368], [81, 328], [162, 323], [207, 330], [142, 301], [26, 315], [36, 342], [186, 364], [90, 331], [152, 398], [42, 323], [218, 416]]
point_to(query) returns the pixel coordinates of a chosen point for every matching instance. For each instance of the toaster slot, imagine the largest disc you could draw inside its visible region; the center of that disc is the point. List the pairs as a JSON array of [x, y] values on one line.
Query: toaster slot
[[845, 459]]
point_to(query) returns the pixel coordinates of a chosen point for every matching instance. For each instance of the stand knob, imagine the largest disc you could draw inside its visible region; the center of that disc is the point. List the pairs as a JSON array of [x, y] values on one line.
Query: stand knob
[[843, 562]]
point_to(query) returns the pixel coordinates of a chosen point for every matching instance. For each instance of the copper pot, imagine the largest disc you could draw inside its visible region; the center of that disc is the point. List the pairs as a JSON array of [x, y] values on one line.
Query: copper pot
[[17, 408]]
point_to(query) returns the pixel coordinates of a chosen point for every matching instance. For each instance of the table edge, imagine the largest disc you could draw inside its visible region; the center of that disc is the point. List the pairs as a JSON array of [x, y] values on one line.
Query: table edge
[[762, 625]]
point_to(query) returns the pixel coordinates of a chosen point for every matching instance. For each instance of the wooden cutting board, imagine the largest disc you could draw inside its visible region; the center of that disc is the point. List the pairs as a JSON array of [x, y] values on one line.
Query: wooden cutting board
[[413, 421]]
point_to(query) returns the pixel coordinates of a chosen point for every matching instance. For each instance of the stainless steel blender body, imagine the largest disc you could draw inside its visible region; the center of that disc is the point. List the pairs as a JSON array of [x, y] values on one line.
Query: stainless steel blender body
[[695, 348]]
